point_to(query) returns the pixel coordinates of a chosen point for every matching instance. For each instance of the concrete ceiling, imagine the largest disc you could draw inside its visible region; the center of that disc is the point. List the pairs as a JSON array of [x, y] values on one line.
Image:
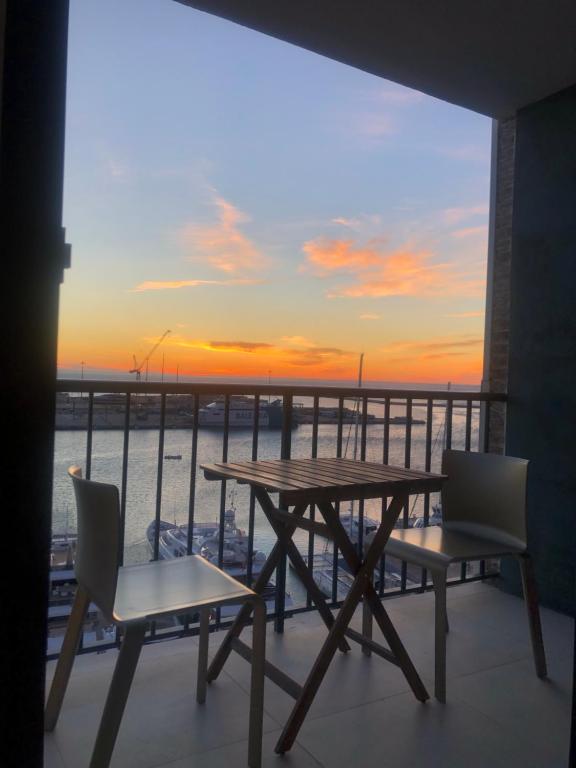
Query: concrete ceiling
[[491, 56]]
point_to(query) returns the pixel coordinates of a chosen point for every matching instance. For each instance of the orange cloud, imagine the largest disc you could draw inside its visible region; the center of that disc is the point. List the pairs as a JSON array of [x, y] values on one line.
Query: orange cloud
[[304, 353], [420, 347], [448, 359], [314, 355], [378, 273], [238, 346], [223, 346], [326, 256], [166, 285], [223, 245]]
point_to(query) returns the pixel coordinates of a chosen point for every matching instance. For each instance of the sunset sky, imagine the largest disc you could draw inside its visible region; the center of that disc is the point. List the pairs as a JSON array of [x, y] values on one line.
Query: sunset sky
[[277, 211]]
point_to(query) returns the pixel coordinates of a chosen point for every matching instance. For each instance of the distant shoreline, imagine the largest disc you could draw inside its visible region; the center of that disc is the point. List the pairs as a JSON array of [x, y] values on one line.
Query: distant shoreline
[[156, 377]]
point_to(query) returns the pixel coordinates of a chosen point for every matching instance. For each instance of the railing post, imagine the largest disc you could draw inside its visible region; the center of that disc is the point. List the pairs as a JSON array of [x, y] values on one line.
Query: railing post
[[285, 452]]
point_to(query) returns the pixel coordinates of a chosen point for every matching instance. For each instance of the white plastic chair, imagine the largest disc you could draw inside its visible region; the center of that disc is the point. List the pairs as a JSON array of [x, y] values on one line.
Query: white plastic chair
[[131, 597], [484, 516]]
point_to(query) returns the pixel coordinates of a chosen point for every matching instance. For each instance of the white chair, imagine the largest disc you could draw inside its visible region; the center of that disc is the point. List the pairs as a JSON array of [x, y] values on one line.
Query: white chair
[[131, 597], [484, 516]]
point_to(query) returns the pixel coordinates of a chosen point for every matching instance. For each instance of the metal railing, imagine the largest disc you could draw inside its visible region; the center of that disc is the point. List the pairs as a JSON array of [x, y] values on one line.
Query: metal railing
[[121, 431]]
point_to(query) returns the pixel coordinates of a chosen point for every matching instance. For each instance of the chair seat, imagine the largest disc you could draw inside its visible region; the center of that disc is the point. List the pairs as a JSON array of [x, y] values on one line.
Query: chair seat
[[172, 586], [436, 548]]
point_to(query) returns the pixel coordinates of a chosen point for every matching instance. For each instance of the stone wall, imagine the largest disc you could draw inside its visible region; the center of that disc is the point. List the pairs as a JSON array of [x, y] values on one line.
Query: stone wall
[[498, 283]]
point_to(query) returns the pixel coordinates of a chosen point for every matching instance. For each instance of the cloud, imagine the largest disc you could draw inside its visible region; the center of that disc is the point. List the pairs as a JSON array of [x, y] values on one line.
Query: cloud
[[399, 96], [222, 346], [315, 355], [470, 231], [117, 169], [238, 346], [471, 152], [453, 216], [436, 347], [326, 256], [170, 285], [378, 273], [365, 222], [300, 341], [465, 314], [369, 316], [223, 245], [435, 354], [374, 126], [299, 352]]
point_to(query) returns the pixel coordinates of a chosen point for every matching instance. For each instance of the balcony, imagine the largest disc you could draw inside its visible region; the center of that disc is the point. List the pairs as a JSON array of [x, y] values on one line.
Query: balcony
[[498, 713], [151, 438]]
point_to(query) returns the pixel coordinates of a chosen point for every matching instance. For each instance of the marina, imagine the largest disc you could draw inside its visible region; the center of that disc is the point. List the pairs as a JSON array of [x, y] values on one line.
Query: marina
[[108, 411], [169, 499]]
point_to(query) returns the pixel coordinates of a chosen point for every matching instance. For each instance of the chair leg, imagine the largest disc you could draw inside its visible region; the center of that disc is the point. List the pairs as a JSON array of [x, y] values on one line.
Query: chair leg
[[203, 655], [531, 598], [66, 658], [257, 684], [117, 695], [440, 624]]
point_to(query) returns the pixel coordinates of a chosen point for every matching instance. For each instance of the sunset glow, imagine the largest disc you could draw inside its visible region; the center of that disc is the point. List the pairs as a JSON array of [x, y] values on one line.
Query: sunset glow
[[281, 216]]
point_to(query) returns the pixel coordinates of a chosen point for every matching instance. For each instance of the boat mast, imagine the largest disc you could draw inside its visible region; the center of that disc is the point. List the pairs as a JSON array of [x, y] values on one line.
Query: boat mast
[[357, 409], [356, 423]]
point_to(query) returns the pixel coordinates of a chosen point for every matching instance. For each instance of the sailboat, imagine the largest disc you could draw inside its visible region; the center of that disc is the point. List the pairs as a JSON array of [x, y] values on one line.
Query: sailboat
[[435, 517], [323, 562], [350, 522]]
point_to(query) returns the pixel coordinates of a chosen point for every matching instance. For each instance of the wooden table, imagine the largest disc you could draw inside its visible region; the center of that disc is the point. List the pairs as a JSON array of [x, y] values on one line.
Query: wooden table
[[322, 482]]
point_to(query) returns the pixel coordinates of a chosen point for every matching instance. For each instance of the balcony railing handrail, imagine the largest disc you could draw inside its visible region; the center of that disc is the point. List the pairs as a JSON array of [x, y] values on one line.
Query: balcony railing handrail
[[308, 390], [474, 434]]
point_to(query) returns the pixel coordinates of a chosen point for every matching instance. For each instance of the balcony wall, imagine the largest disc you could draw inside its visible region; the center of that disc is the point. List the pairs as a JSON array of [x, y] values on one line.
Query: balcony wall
[[542, 372]]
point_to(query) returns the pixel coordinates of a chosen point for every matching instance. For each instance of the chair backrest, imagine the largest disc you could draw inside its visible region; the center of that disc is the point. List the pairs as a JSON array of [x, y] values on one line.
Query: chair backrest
[[97, 549], [485, 495]]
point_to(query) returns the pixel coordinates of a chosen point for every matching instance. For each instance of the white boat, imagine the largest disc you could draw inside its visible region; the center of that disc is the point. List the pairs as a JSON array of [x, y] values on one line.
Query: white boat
[[63, 551], [173, 542], [435, 518], [240, 416], [351, 524]]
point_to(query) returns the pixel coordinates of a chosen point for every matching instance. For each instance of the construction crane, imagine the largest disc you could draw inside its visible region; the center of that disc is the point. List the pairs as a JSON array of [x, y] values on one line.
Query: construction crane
[[138, 367]]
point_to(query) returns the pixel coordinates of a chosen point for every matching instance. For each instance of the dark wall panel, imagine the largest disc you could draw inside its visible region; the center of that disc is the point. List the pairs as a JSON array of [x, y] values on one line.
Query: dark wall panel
[[542, 373], [32, 111]]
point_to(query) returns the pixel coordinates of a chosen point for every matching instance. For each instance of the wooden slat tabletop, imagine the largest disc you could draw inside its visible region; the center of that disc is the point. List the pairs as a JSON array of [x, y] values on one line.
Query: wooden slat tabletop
[[310, 480]]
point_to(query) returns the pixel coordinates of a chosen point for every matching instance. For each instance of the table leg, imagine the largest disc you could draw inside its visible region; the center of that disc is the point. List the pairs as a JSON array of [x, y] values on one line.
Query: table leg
[[243, 614], [284, 532], [361, 585], [371, 596], [320, 667]]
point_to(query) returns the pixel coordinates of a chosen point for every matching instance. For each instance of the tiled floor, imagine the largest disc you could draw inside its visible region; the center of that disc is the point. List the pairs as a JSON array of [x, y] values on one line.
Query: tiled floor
[[498, 713]]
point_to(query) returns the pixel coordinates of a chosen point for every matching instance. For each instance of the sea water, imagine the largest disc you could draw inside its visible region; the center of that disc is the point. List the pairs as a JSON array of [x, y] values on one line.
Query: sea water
[[141, 487]]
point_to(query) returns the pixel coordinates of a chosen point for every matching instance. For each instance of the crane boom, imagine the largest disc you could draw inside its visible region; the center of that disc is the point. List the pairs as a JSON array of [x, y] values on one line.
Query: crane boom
[[138, 368]]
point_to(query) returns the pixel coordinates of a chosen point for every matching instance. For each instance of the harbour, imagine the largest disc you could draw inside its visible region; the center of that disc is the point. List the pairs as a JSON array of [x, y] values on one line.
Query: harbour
[[167, 497]]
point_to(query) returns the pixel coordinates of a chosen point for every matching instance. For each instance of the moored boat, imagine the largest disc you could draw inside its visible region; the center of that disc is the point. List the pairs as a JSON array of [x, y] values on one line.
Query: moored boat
[[241, 414]]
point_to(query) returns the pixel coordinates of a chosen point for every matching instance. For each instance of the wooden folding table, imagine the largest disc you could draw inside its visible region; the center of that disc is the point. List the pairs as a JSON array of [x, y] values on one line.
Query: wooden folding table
[[322, 482]]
